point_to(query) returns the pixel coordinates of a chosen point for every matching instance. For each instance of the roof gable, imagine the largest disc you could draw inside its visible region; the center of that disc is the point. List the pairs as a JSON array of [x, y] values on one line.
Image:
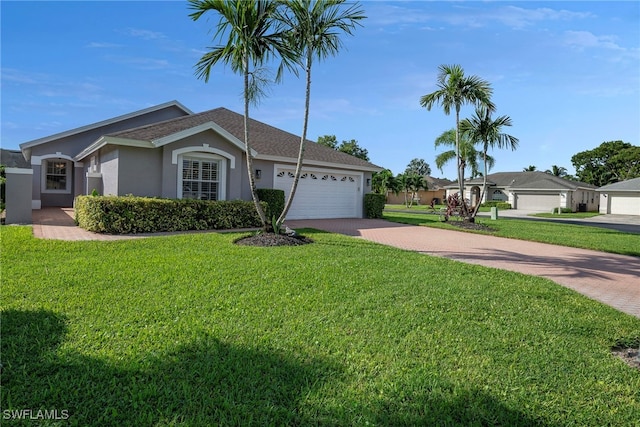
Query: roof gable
[[268, 142], [632, 185], [26, 146]]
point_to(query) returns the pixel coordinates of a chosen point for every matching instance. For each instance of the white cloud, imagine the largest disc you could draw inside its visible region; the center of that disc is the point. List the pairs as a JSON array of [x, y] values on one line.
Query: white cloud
[[518, 17], [586, 39], [144, 34], [141, 63], [103, 45]]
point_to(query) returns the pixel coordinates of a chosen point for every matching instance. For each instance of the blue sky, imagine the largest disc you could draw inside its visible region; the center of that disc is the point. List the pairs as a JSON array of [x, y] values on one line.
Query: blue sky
[[567, 73]]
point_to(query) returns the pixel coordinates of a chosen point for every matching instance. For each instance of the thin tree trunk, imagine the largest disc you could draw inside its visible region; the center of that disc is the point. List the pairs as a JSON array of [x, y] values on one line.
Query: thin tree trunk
[[484, 183], [247, 145], [303, 138], [460, 164]]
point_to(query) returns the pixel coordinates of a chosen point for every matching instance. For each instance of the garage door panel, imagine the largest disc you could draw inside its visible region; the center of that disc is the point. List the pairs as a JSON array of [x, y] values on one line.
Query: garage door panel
[[625, 204], [541, 202], [321, 194]]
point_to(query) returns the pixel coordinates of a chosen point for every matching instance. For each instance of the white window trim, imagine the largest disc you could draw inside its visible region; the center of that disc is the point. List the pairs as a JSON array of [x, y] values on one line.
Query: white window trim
[[175, 154], [222, 171], [43, 173]]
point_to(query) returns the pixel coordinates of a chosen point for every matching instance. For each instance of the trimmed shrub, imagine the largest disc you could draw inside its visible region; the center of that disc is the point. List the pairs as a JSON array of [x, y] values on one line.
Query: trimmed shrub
[[563, 210], [497, 204], [374, 205], [130, 214], [274, 200]]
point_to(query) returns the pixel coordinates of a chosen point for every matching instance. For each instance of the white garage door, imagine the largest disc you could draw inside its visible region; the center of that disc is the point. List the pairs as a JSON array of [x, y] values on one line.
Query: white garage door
[[538, 202], [625, 204], [321, 193]]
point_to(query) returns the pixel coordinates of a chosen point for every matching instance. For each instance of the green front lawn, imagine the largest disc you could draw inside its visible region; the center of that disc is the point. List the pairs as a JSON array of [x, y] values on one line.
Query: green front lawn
[[577, 236], [194, 330]]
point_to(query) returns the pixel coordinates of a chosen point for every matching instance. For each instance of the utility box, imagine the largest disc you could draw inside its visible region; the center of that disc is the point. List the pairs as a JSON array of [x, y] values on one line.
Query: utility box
[[494, 213]]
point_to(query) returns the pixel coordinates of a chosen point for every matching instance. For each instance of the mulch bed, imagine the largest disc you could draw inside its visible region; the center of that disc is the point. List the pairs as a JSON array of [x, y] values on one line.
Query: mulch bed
[[272, 239], [471, 226], [631, 356]]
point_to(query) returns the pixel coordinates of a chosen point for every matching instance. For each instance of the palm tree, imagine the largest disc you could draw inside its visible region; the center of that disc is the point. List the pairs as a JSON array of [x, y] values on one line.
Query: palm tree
[[253, 37], [483, 129], [315, 27], [415, 183], [454, 90], [530, 168], [558, 171], [469, 156], [382, 182]]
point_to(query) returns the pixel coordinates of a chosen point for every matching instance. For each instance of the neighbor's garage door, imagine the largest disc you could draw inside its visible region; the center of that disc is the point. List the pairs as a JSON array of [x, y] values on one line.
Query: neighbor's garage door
[[625, 204], [538, 202], [321, 194]]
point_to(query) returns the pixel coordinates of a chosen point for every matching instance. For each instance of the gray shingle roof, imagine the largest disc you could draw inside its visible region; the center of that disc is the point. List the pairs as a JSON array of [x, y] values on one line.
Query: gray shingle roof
[[632, 185], [529, 180], [13, 159], [266, 140]]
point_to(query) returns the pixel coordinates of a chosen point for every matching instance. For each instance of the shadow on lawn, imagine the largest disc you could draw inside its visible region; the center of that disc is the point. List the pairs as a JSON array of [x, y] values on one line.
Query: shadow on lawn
[[207, 382], [574, 265]]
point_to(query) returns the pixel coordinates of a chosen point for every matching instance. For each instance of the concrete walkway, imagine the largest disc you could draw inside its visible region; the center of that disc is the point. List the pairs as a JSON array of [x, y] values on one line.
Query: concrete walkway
[[608, 278]]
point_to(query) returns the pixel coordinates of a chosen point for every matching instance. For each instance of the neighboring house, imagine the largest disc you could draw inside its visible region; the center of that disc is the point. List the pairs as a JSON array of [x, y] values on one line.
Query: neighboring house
[[168, 151], [435, 190], [621, 198], [534, 191]]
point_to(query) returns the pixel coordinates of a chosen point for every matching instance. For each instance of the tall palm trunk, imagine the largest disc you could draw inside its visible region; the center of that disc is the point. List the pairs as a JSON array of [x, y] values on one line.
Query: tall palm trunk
[[303, 138], [247, 145], [461, 165], [484, 182]]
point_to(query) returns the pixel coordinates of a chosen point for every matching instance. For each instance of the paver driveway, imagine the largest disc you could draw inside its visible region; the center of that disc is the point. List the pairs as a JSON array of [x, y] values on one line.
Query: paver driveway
[[609, 278]]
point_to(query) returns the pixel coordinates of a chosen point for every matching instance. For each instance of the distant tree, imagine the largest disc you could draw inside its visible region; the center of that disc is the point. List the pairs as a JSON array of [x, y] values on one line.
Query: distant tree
[[350, 147], [418, 167], [530, 168], [558, 171], [482, 129], [410, 184], [328, 141], [454, 90], [610, 162], [382, 182]]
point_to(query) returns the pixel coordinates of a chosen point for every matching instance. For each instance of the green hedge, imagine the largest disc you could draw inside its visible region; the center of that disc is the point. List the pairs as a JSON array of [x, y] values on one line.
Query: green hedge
[[274, 200], [496, 203], [563, 210], [374, 205], [130, 214]]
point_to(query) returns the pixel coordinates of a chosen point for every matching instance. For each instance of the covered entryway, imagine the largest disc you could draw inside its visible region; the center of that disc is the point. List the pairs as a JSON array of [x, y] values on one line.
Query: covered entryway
[[539, 202], [625, 204], [322, 193]]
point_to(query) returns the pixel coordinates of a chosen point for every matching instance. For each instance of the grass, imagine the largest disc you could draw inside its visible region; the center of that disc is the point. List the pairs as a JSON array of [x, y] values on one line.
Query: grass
[[420, 208], [194, 330], [577, 236]]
